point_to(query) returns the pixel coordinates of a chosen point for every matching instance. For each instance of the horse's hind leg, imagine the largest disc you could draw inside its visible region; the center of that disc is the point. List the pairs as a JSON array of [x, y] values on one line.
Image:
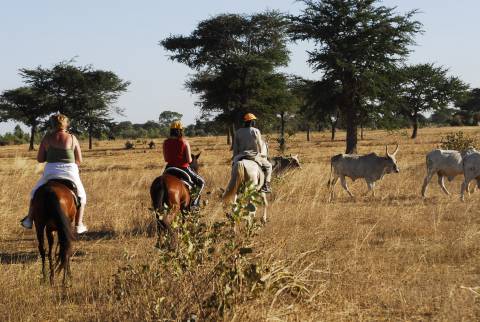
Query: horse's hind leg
[[161, 228], [67, 274], [50, 240], [265, 205], [41, 248], [167, 222]]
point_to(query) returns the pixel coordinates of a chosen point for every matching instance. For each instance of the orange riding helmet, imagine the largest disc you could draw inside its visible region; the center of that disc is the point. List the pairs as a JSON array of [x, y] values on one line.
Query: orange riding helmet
[[249, 117]]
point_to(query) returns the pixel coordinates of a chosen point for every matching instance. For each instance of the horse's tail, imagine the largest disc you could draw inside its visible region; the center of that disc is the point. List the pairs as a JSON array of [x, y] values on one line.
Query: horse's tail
[[236, 179], [65, 235], [157, 193]]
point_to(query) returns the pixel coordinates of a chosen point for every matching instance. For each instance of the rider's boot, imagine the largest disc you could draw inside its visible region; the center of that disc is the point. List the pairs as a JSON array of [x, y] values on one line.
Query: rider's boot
[[27, 221], [80, 228], [266, 187]]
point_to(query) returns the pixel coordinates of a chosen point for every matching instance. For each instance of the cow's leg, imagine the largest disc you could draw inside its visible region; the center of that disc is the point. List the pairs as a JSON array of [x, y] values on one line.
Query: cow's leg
[[426, 181], [441, 183], [343, 181], [371, 186], [332, 187], [465, 184]]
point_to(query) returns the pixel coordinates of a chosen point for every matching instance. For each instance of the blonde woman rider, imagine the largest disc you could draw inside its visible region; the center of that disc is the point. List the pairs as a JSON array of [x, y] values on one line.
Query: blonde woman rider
[[61, 151]]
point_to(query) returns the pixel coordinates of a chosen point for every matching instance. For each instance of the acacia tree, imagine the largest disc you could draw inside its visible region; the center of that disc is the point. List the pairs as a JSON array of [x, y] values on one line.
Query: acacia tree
[[23, 104], [235, 58], [425, 88], [87, 96], [357, 43], [470, 107]]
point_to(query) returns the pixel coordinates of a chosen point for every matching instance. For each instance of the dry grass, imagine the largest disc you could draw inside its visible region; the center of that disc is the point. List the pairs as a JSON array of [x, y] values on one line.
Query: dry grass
[[390, 257]]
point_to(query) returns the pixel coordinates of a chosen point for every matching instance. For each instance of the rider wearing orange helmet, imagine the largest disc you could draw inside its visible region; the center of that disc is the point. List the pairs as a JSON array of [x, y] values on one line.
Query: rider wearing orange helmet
[[177, 153], [248, 144]]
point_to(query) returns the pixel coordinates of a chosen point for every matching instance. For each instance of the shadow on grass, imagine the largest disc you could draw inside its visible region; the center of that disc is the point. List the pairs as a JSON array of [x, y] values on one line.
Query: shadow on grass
[[18, 258], [97, 235]]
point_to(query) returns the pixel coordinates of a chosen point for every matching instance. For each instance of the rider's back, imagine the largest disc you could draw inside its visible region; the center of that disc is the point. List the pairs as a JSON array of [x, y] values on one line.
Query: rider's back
[[60, 148], [247, 139], [174, 151]]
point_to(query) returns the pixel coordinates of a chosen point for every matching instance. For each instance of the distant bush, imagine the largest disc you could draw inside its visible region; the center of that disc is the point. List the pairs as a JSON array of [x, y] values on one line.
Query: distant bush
[[17, 137], [129, 145], [458, 141]]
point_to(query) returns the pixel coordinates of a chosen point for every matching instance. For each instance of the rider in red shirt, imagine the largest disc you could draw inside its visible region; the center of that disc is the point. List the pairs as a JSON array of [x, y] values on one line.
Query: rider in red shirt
[[177, 153]]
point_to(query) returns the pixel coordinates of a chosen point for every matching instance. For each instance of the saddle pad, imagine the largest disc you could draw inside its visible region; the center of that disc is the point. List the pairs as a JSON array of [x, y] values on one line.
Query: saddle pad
[[180, 174]]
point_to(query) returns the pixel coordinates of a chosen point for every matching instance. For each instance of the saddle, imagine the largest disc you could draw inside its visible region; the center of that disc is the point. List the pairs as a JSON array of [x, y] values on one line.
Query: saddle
[[181, 175], [71, 186], [252, 158]]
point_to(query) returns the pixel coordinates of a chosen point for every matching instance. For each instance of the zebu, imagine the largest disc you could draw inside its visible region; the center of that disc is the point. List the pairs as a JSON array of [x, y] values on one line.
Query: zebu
[[370, 167], [445, 163], [471, 170]]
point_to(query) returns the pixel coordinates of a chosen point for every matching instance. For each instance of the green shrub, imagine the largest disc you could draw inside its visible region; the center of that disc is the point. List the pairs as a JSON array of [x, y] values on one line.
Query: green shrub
[[458, 141]]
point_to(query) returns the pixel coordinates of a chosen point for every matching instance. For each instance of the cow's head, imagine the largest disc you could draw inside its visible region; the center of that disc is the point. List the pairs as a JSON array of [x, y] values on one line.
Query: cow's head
[[283, 163], [391, 161]]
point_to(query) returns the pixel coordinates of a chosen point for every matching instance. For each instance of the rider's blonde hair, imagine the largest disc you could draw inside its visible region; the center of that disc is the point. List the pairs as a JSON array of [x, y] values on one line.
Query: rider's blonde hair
[[59, 122]]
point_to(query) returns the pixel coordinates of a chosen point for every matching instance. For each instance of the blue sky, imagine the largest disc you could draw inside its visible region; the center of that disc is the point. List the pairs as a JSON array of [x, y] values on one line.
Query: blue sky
[[123, 36]]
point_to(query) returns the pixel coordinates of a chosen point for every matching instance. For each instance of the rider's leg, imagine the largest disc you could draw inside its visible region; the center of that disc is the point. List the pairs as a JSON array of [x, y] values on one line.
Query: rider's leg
[[199, 182], [27, 221], [79, 225], [268, 176], [82, 195]]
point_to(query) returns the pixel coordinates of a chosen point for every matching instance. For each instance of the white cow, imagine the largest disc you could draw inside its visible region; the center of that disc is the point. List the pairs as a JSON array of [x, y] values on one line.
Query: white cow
[[444, 163], [471, 170]]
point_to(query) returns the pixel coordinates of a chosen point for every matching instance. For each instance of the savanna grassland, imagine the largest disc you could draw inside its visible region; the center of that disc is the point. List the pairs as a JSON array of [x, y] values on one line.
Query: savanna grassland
[[394, 256]]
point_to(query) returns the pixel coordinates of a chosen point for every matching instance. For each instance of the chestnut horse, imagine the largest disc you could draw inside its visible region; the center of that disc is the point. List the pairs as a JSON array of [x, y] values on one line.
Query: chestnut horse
[[177, 198], [54, 209]]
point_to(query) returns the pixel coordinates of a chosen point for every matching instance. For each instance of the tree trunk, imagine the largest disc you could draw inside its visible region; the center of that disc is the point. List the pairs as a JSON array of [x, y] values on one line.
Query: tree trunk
[[281, 141], [361, 131], [334, 130], [32, 137], [232, 128], [415, 126], [89, 139], [282, 124], [308, 133], [351, 134], [228, 136]]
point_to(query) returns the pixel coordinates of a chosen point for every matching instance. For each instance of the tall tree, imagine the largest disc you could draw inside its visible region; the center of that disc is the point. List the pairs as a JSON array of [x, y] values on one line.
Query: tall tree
[[469, 106], [425, 88], [357, 42], [167, 117], [235, 58], [87, 96], [25, 105]]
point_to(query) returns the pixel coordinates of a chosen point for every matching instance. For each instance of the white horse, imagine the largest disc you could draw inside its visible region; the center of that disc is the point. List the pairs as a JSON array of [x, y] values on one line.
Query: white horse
[[242, 172]]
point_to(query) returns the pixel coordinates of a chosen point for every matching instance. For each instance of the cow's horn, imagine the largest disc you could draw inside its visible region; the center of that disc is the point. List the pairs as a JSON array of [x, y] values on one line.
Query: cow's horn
[[396, 150]]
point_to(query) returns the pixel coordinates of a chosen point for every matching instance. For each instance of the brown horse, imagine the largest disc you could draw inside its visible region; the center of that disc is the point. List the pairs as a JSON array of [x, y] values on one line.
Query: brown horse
[[170, 189], [54, 209]]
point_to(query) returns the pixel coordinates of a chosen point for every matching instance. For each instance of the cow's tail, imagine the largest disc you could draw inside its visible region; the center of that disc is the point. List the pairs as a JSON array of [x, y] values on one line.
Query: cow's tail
[[236, 179]]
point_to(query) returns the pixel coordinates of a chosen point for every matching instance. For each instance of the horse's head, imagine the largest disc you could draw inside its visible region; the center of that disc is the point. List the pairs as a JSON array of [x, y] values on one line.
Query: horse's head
[[194, 164]]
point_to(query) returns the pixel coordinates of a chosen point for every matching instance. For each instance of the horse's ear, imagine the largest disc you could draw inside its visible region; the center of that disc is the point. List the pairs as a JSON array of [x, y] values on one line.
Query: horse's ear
[[198, 155]]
